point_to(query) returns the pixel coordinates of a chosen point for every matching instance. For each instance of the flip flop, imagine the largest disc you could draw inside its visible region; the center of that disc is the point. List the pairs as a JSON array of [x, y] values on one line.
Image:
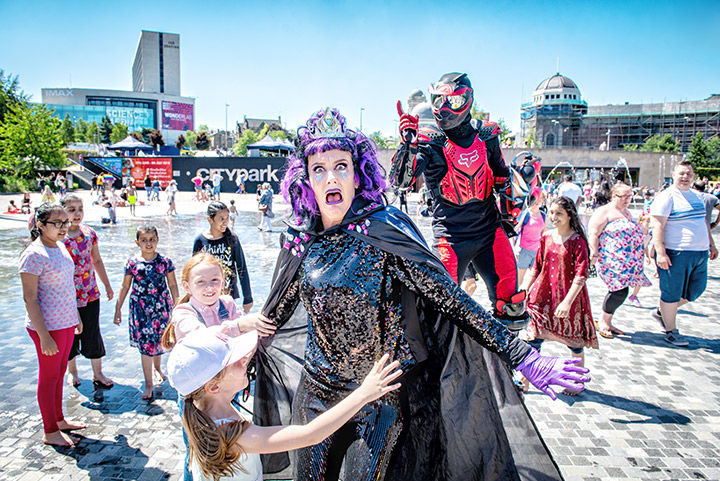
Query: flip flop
[[102, 384], [617, 332], [606, 333]]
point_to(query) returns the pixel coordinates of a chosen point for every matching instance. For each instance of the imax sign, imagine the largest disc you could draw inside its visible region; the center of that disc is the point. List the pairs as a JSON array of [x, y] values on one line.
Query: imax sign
[[58, 92]]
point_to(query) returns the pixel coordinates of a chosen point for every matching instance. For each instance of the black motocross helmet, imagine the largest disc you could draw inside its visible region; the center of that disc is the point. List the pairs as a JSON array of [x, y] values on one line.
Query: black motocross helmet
[[451, 98]]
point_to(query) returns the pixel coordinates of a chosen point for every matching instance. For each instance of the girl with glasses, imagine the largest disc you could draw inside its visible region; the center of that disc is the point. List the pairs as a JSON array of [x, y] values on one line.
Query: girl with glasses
[[46, 270]]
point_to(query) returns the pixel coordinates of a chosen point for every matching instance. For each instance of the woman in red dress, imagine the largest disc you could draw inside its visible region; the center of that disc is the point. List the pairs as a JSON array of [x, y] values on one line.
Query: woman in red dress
[[559, 304]]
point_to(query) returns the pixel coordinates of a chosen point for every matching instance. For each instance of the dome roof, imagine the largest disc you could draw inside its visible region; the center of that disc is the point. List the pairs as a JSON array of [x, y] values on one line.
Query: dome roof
[[557, 81], [424, 111], [417, 94]]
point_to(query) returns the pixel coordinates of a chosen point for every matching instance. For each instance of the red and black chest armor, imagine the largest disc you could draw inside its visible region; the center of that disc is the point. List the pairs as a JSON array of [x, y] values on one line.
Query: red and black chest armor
[[469, 176]]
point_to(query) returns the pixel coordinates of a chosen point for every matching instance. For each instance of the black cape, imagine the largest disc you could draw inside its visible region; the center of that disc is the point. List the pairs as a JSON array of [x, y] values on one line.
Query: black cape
[[484, 433]]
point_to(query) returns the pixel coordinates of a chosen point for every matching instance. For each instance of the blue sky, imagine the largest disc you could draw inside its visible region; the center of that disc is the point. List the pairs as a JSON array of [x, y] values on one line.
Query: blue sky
[[292, 58]]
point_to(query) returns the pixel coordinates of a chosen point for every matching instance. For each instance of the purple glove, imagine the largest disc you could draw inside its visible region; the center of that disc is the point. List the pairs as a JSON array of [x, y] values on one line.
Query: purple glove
[[542, 371]]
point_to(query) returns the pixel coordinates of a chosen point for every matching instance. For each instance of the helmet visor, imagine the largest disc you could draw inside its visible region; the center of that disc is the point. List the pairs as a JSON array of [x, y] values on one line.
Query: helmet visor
[[457, 101]]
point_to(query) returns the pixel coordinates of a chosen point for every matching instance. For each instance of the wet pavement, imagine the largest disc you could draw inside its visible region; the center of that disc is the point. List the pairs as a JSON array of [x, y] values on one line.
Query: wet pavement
[[652, 410]]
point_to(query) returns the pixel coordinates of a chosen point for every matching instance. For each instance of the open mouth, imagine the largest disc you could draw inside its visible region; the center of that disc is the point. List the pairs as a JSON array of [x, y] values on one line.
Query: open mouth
[[333, 197]]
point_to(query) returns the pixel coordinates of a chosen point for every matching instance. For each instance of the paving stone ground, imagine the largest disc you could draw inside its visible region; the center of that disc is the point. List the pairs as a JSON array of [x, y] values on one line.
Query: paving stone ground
[[651, 412]]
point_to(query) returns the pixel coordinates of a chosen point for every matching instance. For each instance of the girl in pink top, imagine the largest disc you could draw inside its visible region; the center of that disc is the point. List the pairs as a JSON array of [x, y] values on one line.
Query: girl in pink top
[[82, 244], [46, 270], [532, 228], [204, 306]]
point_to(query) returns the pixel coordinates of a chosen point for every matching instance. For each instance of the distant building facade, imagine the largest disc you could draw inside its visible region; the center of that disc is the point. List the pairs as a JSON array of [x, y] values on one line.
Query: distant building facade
[[156, 68], [558, 117], [256, 125], [155, 101]]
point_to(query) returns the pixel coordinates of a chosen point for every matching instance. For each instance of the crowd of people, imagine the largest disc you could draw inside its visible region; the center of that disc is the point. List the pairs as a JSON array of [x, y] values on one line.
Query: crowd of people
[[369, 398]]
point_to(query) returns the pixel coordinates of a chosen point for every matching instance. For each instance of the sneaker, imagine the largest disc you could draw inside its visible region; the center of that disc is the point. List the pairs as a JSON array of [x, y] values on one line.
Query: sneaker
[[657, 315], [635, 301], [674, 338]]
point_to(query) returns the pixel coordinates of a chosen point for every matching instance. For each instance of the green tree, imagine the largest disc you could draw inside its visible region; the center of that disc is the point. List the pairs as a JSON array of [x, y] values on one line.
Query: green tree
[[92, 134], [203, 128], [137, 135], [477, 113], [68, 130], [30, 137], [531, 138], [81, 128], [704, 153], [190, 137], [246, 138], [119, 132], [660, 143], [106, 128], [10, 93], [505, 130]]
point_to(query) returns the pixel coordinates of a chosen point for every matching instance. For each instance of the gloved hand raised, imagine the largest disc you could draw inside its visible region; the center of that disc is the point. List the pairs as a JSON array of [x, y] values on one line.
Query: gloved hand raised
[[409, 125], [543, 371]]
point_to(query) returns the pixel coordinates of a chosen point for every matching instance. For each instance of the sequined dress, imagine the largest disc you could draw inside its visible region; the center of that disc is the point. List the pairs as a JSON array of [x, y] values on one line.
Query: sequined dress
[[361, 301]]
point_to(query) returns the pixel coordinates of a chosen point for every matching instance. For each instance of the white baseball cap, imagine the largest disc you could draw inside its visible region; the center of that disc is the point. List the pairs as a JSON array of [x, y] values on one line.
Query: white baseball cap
[[202, 354]]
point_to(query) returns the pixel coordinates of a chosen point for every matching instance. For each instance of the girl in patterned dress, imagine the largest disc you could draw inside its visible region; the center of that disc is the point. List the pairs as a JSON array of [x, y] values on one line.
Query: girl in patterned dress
[[82, 244], [558, 303], [154, 293]]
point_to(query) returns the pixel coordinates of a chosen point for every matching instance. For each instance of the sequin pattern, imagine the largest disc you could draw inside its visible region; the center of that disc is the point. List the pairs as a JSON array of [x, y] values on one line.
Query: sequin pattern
[[352, 292]]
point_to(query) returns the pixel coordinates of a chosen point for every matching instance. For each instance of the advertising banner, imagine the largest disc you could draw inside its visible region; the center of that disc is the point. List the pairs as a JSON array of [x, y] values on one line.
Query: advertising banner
[[113, 164], [255, 171], [134, 118], [160, 167], [177, 116]]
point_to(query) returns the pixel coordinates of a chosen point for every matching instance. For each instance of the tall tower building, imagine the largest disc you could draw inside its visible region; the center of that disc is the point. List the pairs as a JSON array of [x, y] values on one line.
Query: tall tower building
[[156, 68]]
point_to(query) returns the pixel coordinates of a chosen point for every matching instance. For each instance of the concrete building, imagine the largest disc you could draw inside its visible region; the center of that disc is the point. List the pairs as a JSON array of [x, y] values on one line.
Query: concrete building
[[558, 117], [156, 68], [256, 125], [154, 103]]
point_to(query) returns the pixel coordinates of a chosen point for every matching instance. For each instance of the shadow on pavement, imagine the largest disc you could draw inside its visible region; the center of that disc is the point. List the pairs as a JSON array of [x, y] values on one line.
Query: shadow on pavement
[[122, 398], [110, 460], [655, 414], [657, 339]]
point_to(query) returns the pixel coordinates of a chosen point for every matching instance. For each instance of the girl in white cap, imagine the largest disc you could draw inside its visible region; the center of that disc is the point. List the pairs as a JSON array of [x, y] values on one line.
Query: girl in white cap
[[209, 369]]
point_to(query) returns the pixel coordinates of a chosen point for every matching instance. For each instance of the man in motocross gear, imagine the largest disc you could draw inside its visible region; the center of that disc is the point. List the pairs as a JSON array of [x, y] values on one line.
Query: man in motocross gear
[[462, 164]]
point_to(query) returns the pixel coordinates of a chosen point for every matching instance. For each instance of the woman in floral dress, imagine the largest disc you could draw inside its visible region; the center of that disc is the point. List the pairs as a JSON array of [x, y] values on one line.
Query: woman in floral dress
[[154, 293], [616, 245]]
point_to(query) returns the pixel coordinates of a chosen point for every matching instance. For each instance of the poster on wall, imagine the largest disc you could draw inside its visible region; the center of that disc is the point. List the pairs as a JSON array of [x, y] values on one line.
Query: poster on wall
[[113, 164], [160, 167], [177, 116]]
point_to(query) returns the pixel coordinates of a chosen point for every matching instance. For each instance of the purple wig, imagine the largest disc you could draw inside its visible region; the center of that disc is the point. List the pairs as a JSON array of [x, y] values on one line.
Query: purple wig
[[312, 139]]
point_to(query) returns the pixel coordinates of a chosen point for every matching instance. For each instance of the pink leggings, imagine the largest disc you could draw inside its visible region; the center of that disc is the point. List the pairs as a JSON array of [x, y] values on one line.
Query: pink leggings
[[52, 376]]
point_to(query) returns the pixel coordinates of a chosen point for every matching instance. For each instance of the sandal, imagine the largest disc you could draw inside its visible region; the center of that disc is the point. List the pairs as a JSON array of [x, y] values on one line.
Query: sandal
[[606, 333], [103, 385], [617, 332]]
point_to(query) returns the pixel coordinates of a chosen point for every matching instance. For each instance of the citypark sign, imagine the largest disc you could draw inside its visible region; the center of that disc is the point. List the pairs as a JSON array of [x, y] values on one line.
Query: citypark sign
[[255, 171]]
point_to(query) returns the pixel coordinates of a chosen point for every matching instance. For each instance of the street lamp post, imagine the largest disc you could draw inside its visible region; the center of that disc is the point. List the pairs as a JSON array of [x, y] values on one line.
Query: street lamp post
[[361, 111], [607, 145], [226, 130]]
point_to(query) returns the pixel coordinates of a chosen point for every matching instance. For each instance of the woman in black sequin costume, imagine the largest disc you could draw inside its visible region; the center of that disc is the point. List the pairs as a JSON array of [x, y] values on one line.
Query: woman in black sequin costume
[[370, 285]]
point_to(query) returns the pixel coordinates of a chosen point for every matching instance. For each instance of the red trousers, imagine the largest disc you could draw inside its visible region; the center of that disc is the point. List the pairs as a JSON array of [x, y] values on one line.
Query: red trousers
[[52, 376]]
